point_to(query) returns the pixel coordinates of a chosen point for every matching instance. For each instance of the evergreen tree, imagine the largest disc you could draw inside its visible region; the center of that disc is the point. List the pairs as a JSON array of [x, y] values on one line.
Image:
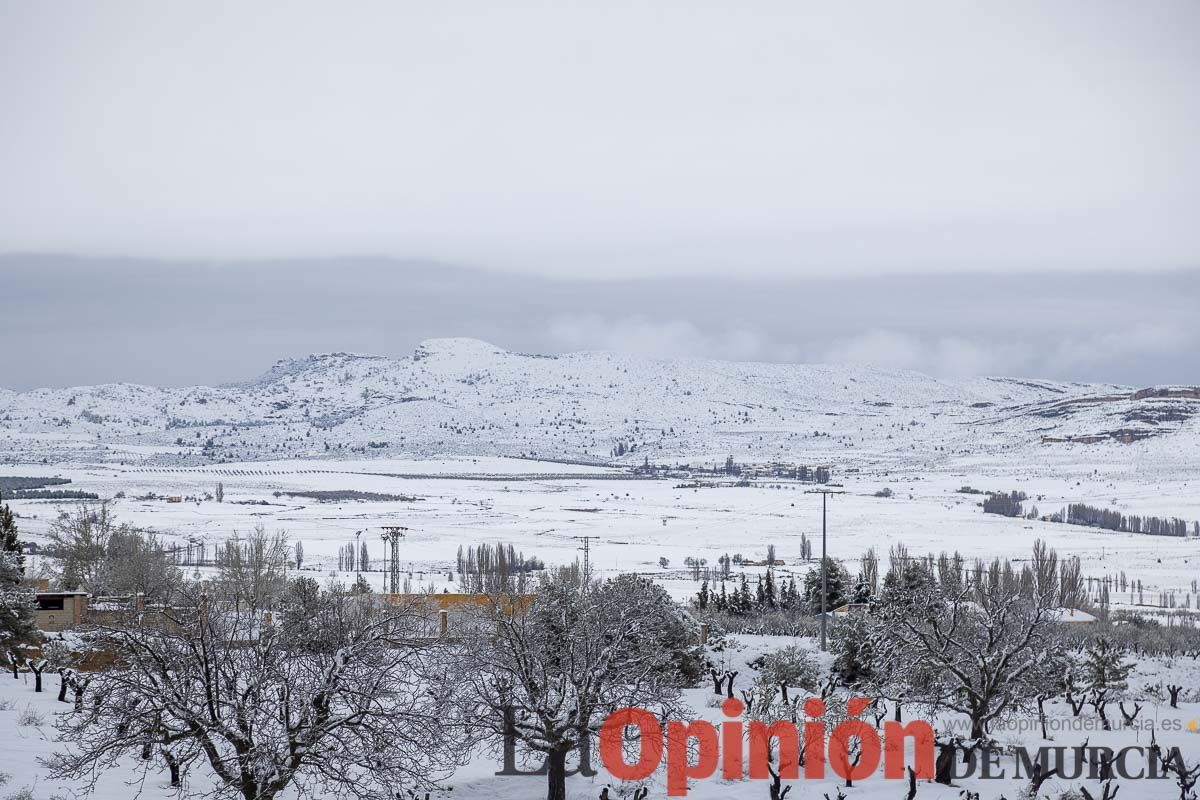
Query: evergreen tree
[[9, 543], [741, 602], [1104, 667], [852, 644], [838, 580], [18, 622], [861, 593], [790, 595], [770, 596], [904, 582]]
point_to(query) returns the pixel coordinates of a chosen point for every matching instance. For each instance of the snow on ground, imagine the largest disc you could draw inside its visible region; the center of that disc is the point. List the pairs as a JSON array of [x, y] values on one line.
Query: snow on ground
[[465, 397], [541, 508], [456, 428], [27, 721]]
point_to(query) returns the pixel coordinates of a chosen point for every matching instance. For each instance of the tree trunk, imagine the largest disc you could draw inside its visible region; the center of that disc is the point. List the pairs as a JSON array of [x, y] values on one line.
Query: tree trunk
[[977, 731], [62, 687], [510, 742], [943, 771], [556, 775], [1099, 706], [1039, 776], [585, 753], [173, 765]]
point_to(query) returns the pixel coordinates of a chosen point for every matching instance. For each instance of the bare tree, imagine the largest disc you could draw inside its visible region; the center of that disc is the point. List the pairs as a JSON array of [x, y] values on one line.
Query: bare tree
[[983, 651], [355, 712], [552, 674], [138, 563], [79, 540], [253, 571], [98, 554]]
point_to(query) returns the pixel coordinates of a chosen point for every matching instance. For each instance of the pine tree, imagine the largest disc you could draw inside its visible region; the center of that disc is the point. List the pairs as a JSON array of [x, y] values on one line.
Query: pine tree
[[861, 593], [702, 597], [18, 622], [852, 643], [741, 602], [1104, 667], [837, 580], [9, 542]]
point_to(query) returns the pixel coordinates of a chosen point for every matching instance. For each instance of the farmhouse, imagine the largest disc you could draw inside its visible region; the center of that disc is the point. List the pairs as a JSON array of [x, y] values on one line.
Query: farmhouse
[[60, 611]]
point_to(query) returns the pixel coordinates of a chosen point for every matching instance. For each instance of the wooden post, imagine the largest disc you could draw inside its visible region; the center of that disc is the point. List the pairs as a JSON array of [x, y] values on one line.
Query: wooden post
[[703, 634], [443, 623]]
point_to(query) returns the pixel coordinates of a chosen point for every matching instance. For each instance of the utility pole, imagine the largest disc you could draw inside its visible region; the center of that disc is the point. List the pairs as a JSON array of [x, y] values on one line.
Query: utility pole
[[587, 568], [392, 534], [824, 561]]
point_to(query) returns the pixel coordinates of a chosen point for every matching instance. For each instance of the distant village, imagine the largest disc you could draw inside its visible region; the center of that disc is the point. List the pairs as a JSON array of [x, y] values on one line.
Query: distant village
[[780, 470]]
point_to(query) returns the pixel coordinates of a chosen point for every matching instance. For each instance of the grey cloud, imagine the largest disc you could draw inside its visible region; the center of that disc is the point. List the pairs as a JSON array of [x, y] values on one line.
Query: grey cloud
[[660, 338], [771, 137], [73, 321]]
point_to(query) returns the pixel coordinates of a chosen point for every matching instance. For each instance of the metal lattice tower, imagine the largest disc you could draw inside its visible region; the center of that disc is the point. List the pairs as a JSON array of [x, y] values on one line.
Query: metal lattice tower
[[587, 550], [392, 534]]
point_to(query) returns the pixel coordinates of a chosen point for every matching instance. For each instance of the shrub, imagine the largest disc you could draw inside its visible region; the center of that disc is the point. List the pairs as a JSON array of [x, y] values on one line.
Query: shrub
[[29, 717], [791, 666]]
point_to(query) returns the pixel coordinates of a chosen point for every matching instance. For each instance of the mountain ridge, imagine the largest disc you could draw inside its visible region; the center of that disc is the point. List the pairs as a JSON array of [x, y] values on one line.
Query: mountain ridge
[[461, 396]]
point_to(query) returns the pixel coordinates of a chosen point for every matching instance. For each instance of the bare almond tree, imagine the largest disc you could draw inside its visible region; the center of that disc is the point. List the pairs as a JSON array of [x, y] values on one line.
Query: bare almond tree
[[79, 540], [550, 675], [983, 650], [354, 703]]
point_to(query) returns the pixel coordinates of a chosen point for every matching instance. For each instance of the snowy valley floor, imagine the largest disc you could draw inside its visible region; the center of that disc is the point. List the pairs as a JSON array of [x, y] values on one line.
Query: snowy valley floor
[[542, 509], [27, 719]]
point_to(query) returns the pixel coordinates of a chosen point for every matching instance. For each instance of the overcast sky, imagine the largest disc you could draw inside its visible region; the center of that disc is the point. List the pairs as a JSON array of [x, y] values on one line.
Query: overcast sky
[[1027, 146]]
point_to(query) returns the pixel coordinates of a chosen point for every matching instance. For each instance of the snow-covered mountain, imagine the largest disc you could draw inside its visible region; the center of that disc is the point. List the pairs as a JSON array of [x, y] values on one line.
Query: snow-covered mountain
[[467, 397]]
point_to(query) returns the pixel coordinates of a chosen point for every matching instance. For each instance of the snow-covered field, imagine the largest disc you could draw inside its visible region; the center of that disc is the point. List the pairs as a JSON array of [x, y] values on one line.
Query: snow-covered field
[[486, 446], [27, 720], [541, 509]]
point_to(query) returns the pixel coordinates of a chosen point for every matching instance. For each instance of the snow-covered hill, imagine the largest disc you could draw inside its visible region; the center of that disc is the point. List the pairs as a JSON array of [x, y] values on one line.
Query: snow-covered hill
[[467, 397]]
